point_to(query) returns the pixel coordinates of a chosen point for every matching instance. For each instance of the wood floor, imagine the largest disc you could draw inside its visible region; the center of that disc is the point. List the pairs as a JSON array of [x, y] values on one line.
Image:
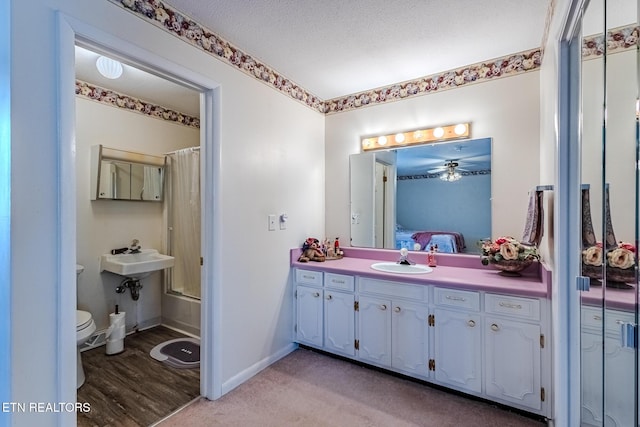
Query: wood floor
[[132, 388]]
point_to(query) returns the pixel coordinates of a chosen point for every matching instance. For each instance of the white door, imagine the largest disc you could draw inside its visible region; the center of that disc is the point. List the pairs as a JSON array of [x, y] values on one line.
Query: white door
[[512, 364], [339, 323], [410, 338], [458, 349], [374, 330], [362, 171], [309, 315]]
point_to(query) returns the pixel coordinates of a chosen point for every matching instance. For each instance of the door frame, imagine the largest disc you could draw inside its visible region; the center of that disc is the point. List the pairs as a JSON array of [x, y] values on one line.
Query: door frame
[[69, 31]]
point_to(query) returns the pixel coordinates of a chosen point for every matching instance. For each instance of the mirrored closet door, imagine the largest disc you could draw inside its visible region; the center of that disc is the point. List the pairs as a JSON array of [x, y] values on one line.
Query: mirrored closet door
[[610, 203]]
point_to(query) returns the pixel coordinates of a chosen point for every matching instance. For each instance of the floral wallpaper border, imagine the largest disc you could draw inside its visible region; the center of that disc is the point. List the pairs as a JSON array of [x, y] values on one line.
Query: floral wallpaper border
[[618, 40], [176, 23], [483, 71], [437, 175], [115, 99]]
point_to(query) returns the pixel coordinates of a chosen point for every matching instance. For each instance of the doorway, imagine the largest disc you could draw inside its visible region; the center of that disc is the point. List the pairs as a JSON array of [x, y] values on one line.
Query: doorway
[[72, 32]]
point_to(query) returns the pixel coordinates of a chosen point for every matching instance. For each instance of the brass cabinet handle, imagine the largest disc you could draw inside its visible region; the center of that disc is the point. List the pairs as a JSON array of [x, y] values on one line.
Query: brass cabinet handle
[[316, 294], [495, 327], [397, 309], [329, 297], [471, 323], [383, 307]]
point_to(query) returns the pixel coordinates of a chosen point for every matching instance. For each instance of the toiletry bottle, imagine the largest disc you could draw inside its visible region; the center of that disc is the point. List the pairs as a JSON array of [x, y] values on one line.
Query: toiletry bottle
[[431, 257], [336, 247]]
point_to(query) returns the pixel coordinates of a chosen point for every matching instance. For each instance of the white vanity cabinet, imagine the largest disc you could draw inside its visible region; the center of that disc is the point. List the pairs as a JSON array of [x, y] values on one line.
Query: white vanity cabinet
[[618, 364], [393, 328], [513, 345], [457, 339], [486, 344]]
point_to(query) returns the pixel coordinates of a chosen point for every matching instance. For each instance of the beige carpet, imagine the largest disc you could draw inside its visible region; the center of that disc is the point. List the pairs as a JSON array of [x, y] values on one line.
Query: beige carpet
[[311, 389]]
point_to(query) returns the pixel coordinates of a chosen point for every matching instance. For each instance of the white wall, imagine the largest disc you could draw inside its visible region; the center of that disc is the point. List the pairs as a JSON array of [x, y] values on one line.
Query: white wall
[[272, 162], [103, 225], [506, 110]]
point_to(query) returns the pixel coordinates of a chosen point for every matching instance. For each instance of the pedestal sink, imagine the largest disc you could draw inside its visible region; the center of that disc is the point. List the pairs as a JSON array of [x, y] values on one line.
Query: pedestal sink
[[136, 265], [394, 267]]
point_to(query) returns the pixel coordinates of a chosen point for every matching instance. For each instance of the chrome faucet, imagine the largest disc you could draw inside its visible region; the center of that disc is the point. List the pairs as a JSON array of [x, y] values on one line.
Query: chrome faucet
[[135, 247], [404, 257]]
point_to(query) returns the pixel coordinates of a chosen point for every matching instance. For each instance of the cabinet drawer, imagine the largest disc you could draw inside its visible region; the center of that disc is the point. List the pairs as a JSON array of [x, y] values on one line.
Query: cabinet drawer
[[592, 318], [309, 277], [393, 289], [526, 308], [460, 299], [339, 281]]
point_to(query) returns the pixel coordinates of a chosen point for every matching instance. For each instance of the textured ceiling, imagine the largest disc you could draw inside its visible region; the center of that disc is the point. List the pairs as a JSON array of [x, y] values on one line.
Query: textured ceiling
[[334, 48]]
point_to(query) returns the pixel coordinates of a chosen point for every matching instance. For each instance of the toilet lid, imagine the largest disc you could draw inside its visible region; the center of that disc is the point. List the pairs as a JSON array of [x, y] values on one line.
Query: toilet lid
[[83, 318]]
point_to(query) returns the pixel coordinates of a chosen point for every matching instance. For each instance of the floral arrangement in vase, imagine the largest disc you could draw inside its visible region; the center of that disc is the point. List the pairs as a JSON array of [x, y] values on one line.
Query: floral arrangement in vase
[[620, 263], [507, 254]]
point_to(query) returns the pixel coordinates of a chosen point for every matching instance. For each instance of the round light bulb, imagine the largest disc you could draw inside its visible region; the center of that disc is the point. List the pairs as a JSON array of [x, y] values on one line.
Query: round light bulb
[[438, 132], [460, 129], [382, 140], [108, 67], [399, 138]]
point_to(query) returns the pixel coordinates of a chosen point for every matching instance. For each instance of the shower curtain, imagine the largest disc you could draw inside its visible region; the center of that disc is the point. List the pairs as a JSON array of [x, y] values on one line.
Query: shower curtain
[[183, 221]]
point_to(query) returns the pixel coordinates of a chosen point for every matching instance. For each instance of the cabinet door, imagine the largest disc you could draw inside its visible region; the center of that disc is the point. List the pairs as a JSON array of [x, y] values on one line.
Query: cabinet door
[[309, 315], [512, 364], [591, 376], [409, 338], [458, 349], [619, 380], [339, 323], [374, 330]]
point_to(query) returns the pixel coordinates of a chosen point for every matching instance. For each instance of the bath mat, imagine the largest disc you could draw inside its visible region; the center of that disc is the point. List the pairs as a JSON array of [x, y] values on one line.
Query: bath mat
[[180, 353]]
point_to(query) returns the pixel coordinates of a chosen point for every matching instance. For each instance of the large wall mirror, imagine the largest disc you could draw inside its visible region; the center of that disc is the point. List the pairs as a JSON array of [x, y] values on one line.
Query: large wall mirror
[[609, 175], [435, 194]]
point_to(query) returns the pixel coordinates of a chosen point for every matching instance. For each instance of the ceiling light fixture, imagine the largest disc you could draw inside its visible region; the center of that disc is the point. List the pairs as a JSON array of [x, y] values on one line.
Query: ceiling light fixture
[[108, 67], [417, 137]]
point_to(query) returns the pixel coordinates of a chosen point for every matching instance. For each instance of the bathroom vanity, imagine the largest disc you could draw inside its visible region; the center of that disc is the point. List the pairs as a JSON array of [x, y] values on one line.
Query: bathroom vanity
[[462, 326]]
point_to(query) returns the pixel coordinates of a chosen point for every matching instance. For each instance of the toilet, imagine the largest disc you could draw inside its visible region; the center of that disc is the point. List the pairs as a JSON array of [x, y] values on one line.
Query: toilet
[[85, 327]]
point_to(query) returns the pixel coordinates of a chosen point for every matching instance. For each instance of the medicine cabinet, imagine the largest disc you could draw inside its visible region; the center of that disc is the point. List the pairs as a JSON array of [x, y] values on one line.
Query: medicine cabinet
[[126, 175]]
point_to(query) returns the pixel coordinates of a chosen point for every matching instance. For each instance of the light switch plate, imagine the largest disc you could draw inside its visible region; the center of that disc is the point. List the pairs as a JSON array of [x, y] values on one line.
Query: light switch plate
[[272, 222]]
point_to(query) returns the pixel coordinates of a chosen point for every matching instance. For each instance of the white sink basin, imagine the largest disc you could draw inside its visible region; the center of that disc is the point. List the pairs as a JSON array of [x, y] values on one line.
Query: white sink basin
[[394, 267], [136, 265]]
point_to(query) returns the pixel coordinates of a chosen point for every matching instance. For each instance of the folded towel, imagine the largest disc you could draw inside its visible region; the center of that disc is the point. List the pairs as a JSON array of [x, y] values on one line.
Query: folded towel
[[534, 226]]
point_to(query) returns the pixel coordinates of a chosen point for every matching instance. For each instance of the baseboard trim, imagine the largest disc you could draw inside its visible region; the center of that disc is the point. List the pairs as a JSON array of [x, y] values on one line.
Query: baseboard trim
[[243, 376]]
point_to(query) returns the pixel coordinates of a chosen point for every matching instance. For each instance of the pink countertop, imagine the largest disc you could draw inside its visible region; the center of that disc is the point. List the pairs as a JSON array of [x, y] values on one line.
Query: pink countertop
[[617, 299], [458, 271]]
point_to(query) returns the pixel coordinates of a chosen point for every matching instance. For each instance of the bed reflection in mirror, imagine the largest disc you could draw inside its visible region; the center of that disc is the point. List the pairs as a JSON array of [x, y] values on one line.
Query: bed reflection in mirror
[[436, 194]]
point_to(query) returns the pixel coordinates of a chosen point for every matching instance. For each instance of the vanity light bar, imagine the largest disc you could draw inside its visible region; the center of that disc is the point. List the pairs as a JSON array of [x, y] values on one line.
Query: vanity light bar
[[415, 137]]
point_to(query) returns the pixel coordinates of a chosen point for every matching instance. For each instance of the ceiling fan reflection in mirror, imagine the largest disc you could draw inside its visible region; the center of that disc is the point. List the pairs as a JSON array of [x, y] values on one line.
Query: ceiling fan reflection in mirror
[[449, 172]]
